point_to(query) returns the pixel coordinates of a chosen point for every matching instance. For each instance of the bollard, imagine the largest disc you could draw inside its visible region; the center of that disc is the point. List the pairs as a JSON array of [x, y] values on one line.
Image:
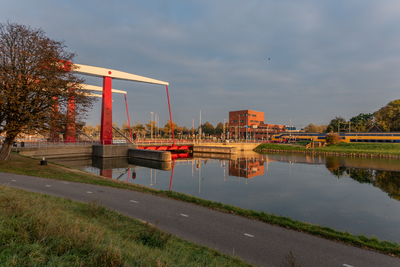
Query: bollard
[[43, 162]]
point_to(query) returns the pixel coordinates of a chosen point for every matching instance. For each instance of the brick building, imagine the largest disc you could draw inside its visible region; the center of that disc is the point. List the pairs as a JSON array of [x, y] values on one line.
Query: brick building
[[251, 123]]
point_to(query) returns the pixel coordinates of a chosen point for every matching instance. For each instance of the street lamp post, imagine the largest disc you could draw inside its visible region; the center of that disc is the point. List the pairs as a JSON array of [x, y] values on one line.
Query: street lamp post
[[199, 126], [151, 126], [239, 126], [158, 126], [155, 126]]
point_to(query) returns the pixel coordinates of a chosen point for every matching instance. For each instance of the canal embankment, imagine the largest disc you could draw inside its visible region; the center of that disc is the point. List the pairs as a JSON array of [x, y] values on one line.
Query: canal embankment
[[59, 151], [390, 151], [129, 150]]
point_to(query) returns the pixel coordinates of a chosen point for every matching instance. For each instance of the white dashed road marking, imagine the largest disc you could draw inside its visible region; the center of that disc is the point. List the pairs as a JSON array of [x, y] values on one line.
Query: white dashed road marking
[[347, 265], [48, 185], [134, 201], [89, 192], [184, 215], [13, 180], [249, 235]]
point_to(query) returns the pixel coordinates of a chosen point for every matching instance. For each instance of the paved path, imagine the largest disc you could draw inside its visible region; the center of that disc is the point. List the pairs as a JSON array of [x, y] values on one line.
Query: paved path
[[253, 241]]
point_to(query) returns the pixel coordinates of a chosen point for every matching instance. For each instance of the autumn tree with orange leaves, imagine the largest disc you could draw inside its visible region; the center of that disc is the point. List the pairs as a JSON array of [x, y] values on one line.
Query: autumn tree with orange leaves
[[33, 83]]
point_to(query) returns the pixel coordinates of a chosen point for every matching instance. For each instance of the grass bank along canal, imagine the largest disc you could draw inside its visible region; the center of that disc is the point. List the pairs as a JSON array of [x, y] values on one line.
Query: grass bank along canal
[[358, 195]]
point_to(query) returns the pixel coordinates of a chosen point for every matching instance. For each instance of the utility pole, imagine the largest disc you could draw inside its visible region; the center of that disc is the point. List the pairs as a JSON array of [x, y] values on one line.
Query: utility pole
[[158, 126], [224, 129], [239, 127], [200, 127], [151, 126]]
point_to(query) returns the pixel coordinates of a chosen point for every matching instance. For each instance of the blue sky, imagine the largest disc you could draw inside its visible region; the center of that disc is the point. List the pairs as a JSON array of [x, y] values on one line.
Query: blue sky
[[327, 58]]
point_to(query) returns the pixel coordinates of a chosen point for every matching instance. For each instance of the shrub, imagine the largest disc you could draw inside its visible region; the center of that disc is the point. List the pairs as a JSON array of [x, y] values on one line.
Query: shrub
[[332, 139]]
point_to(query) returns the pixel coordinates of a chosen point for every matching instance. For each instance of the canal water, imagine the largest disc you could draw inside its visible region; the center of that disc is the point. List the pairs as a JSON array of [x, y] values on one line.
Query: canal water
[[358, 195]]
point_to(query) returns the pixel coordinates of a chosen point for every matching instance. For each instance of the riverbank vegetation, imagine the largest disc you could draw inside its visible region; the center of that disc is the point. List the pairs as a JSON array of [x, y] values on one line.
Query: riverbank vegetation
[[28, 166], [40, 230], [376, 149]]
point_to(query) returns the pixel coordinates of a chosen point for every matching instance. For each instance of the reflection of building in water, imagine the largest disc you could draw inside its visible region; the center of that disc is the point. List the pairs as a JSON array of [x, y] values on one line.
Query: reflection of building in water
[[247, 168]]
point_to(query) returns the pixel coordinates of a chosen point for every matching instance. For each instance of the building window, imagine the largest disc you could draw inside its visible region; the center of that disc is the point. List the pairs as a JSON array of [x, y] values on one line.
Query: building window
[[256, 121], [251, 121]]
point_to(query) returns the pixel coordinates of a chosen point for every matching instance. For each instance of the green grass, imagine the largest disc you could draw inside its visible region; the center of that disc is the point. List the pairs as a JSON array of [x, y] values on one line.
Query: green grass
[[281, 147], [352, 148], [29, 166], [377, 148], [302, 143], [40, 230]]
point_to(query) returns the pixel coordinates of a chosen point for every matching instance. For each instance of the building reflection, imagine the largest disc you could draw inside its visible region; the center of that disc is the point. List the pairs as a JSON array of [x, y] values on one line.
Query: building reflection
[[246, 167], [381, 173]]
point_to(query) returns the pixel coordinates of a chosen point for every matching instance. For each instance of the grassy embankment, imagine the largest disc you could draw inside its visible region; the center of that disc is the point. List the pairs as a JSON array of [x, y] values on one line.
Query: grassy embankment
[[40, 230], [28, 166], [348, 149]]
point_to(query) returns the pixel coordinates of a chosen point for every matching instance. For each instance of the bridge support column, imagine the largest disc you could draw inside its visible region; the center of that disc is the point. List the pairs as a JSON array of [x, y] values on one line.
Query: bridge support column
[[106, 136], [70, 127], [54, 127]]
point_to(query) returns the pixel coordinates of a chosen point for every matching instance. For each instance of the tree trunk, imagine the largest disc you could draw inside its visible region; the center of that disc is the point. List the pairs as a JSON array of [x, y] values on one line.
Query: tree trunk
[[6, 149]]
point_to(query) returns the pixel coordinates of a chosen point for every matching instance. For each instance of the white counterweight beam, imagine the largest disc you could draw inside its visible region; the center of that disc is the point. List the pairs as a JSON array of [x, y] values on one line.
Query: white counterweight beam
[[95, 95], [114, 74], [100, 89]]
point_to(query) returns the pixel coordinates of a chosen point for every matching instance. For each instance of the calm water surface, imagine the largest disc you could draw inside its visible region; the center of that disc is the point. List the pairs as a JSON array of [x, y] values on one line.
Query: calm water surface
[[361, 196]]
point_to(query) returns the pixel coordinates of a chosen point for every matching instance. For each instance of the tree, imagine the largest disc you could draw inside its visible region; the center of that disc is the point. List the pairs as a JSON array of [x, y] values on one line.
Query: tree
[[96, 129], [311, 128], [151, 126], [207, 128], [125, 128], [388, 117], [139, 128], [362, 122], [185, 130], [167, 129], [115, 129], [338, 124], [219, 129], [88, 129], [34, 80]]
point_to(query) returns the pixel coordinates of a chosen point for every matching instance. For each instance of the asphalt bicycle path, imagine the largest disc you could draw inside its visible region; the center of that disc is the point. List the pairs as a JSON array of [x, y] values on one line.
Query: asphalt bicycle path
[[255, 242]]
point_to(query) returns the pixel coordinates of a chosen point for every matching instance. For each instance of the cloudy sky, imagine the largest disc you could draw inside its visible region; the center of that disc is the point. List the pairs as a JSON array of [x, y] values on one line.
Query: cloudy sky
[[308, 60]]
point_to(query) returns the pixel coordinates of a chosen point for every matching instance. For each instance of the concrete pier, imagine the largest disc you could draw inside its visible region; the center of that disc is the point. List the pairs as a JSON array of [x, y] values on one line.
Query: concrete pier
[[214, 149], [214, 156], [157, 155], [111, 151], [159, 165]]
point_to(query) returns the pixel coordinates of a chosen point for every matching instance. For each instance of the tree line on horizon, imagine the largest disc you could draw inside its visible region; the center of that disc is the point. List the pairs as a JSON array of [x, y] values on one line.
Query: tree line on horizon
[[165, 132], [387, 119]]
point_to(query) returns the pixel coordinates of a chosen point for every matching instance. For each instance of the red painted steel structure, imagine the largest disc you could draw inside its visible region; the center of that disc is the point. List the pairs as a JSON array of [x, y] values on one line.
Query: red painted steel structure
[[129, 122], [70, 130], [172, 174], [166, 147], [170, 117], [106, 136], [106, 113]]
